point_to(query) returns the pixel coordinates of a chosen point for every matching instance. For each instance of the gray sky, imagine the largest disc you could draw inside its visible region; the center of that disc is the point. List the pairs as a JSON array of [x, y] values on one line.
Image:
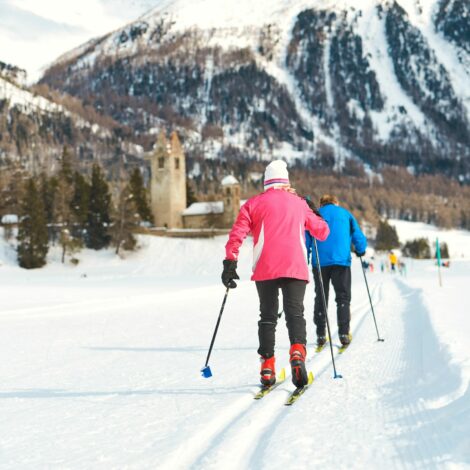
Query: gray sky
[[34, 33]]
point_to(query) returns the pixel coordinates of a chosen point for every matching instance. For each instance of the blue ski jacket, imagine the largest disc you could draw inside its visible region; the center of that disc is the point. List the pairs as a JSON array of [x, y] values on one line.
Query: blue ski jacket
[[336, 249]]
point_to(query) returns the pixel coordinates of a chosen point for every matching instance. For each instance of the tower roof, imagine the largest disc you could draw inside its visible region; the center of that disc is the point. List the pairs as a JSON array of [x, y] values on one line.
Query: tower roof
[[162, 144], [175, 142]]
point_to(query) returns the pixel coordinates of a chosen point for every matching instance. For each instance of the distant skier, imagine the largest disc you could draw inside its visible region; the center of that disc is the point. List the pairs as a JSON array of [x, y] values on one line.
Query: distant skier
[[335, 262], [277, 219], [392, 257]]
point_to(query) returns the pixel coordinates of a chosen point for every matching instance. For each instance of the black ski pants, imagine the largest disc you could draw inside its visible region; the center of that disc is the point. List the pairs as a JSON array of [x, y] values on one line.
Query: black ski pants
[[293, 293], [340, 277]]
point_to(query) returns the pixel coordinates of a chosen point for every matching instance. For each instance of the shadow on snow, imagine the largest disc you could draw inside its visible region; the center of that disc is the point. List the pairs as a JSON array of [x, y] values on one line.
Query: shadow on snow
[[433, 434]]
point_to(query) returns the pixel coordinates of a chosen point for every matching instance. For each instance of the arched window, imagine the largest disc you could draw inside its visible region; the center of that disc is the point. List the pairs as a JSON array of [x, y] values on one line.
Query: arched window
[[161, 162]]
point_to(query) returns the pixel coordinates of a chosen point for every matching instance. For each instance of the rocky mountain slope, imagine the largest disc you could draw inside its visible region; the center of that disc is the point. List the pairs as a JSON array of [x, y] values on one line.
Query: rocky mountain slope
[[36, 124], [384, 81]]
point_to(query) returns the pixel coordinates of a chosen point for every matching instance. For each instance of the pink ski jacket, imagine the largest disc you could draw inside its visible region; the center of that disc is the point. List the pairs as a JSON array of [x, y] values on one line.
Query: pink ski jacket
[[277, 219]]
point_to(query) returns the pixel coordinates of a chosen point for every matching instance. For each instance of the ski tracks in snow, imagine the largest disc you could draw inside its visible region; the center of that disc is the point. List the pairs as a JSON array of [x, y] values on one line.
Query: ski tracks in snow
[[387, 396], [237, 438], [425, 374]]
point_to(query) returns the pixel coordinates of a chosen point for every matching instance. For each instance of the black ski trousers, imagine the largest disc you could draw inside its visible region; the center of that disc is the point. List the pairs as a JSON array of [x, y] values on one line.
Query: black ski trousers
[[340, 277], [293, 293]]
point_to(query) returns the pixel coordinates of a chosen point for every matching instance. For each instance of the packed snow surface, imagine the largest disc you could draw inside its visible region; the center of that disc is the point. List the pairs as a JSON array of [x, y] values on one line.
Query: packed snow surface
[[101, 368]]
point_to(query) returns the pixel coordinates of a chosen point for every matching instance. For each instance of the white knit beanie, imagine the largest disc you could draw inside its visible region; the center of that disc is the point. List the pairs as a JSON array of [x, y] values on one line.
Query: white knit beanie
[[276, 174]]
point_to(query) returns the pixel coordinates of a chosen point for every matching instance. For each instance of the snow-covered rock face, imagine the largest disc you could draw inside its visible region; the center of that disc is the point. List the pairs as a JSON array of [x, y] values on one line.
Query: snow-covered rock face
[[386, 80], [17, 97], [453, 19], [12, 73], [27, 122]]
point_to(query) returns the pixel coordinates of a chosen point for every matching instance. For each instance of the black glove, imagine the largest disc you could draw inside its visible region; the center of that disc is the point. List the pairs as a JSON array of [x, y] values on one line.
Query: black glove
[[312, 207], [360, 255], [229, 273]]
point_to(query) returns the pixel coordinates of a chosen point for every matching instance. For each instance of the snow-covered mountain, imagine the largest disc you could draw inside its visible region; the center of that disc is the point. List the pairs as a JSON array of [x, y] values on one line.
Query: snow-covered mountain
[[385, 81], [34, 128]]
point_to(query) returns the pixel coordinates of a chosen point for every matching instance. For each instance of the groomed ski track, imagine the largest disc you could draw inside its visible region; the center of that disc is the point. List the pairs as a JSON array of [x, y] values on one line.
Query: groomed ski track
[[109, 378], [375, 413], [240, 438]]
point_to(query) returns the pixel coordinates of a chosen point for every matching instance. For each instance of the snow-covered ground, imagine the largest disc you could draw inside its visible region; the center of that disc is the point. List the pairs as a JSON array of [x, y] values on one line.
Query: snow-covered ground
[[458, 241], [100, 369]]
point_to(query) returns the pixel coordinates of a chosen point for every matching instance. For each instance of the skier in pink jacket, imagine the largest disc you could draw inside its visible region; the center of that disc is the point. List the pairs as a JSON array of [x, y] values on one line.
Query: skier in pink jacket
[[277, 219]]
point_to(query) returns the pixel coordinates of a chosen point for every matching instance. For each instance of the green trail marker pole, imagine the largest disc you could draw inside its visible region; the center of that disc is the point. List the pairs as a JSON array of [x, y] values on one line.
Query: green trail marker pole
[[438, 256]]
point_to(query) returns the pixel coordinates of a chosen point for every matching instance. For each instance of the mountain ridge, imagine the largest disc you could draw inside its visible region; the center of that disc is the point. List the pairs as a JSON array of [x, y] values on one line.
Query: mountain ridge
[[36, 124], [384, 82]]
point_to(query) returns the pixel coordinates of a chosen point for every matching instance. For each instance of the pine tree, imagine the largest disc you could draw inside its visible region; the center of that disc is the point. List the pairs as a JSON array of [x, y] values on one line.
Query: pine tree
[[418, 248], [190, 194], [13, 185], [387, 237], [126, 221], [140, 196], [80, 203], [66, 166], [444, 250], [98, 219], [48, 190], [64, 214], [32, 233]]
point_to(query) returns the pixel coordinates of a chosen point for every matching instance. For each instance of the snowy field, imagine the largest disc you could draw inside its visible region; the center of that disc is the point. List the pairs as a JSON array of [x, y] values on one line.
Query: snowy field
[[458, 241], [100, 368]]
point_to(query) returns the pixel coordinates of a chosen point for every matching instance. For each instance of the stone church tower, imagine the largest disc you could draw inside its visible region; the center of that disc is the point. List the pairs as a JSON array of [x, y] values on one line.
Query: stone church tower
[[168, 185]]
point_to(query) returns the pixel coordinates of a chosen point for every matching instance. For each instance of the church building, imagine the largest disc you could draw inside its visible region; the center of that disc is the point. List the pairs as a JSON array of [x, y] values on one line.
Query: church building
[[168, 192]]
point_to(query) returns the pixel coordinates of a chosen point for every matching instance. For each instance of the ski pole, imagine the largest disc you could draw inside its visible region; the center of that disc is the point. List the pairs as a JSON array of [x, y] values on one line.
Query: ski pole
[[206, 370], [325, 306], [370, 300]]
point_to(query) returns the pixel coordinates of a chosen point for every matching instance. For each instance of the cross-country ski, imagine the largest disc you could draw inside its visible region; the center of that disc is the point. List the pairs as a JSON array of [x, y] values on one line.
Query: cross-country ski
[[299, 391], [265, 389]]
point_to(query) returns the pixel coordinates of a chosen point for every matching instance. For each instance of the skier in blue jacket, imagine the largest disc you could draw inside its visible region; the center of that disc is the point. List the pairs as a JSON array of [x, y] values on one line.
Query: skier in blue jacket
[[335, 262]]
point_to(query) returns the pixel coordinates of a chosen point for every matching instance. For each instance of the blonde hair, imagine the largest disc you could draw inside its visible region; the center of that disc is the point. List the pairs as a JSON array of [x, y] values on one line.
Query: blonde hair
[[328, 199]]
